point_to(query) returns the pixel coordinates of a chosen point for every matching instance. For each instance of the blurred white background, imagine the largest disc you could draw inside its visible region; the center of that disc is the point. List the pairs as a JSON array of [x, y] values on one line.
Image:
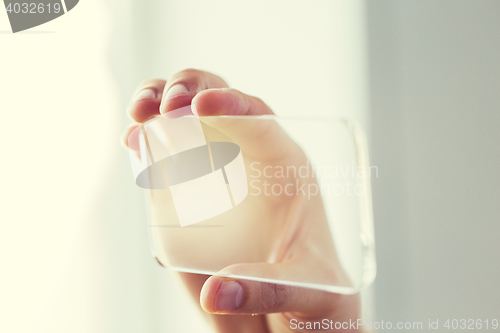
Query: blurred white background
[[74, 248]]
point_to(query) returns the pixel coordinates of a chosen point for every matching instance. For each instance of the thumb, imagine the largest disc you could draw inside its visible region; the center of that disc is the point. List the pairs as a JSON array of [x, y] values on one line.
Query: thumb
[[227, 295]]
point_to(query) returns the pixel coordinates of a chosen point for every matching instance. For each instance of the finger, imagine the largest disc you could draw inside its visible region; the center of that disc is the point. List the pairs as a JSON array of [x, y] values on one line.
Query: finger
[[222, 324], [183, 86], [126, 140], [262, 138], [146, 100], [225, 295]]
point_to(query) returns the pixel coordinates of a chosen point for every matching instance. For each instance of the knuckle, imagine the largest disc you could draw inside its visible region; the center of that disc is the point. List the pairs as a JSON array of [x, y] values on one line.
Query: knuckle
[[277, 297], [258, 100], [260, 104], [189, 77], [196, 77], [193, 76], [190, 71], [151, 83], [232, 91]]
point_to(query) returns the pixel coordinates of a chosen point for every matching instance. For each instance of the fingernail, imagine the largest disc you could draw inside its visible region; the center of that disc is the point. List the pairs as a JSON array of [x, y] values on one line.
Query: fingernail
[[145, 94], [176, 90], [229, 297], [159, 262]]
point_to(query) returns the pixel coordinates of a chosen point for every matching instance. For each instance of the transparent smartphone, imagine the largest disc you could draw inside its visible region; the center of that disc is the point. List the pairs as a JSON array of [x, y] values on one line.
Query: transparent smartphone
[[228, 190]]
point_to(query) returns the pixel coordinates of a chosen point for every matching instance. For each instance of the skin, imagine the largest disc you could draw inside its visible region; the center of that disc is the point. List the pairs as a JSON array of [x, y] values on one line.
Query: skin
[[301, 246]]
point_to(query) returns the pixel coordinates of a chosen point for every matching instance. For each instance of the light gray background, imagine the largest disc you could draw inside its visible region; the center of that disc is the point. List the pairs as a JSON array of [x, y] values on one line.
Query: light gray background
[[435, 123]]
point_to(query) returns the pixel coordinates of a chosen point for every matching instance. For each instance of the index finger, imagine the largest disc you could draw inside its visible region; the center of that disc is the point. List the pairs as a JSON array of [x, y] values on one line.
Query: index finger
[[146, 100]]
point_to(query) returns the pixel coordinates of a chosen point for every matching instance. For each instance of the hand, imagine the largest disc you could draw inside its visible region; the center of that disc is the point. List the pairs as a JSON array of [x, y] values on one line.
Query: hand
[[298, 242]]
